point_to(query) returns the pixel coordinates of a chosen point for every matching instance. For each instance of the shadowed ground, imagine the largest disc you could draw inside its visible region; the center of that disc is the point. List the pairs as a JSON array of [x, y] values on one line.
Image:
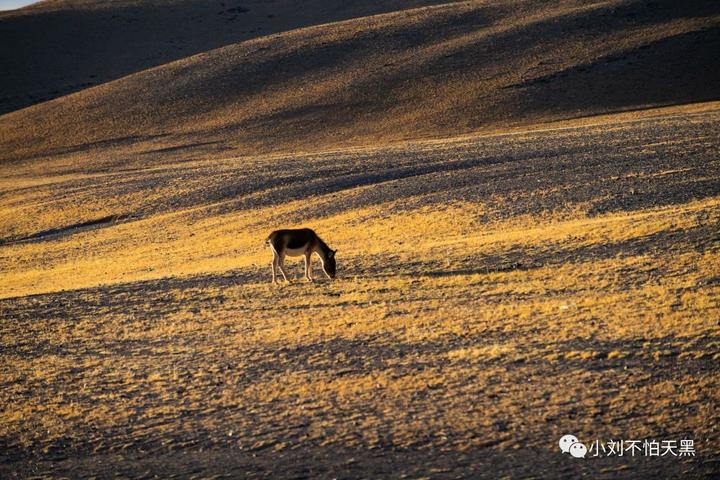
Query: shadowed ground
[[57, 47]]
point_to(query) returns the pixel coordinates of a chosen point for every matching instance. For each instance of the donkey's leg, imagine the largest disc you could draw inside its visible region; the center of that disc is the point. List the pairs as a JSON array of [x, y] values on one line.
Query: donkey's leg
[[273, 264], [322, 261], [282, 270], [308, 267], [273, 269]]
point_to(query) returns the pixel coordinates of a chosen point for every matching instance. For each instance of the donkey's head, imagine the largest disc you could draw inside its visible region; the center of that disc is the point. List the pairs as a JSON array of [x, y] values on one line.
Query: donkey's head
[[329, 265]]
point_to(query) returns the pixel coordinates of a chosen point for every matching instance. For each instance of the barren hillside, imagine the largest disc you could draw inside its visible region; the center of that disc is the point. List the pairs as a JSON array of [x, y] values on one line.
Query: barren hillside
[[425, 72], [56, 47]]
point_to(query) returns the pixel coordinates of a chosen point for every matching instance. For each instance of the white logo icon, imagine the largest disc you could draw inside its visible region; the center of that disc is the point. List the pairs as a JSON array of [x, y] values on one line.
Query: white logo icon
[[578, 450], [566, 442], [570, 444]]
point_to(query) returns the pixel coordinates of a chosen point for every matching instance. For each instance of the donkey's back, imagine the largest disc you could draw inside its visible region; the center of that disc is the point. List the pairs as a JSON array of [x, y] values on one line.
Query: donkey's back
[[292, 239]]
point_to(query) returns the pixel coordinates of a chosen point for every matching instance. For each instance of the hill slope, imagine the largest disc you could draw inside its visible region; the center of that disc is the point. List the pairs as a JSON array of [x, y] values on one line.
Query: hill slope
[[426, 72], [56, 47]]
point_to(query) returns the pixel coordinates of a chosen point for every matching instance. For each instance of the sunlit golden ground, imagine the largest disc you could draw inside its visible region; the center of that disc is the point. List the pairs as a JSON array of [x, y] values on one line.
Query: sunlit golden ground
[[494, 294]]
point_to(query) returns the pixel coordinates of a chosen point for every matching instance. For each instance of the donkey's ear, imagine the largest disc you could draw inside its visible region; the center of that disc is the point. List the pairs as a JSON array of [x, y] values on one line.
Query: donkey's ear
[[333, 252]]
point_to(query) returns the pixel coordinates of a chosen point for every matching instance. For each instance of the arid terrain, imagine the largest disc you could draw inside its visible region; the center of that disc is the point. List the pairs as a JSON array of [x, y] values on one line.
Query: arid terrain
[[524, 196]]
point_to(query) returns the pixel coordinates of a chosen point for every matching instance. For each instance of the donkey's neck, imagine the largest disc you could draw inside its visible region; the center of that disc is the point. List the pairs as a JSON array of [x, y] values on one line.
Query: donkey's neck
[[322, 249]]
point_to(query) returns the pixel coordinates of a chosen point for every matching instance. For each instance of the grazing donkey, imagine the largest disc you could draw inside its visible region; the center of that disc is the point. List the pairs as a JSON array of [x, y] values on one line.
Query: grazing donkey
[[294, 243]]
